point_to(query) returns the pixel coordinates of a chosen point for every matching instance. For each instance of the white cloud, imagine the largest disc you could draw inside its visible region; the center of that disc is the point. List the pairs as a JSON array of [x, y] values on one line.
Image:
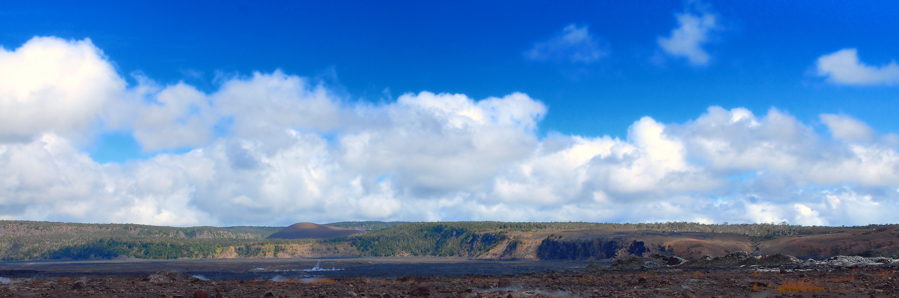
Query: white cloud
[[264, 106], [854, 208], [687, 39], [54, 85], [295, 151], [555, 174], [807, 216], [844, 68], [651, 165], [439, 142], [48, 178], [574, 44], [779, 144], [174, 117], [846, 128]]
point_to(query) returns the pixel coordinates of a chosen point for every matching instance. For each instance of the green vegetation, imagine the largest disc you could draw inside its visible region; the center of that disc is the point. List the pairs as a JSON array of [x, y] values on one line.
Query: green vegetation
[[168, 249], [472, 239], [365, 225], [458, 239], [29, 240]]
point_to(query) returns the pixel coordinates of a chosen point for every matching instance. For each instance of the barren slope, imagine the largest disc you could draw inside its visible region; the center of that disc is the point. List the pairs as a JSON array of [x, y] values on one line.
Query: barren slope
[[305, 230]]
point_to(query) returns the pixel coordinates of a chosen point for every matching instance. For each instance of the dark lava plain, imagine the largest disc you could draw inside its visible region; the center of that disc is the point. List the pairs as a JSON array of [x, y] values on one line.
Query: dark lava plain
[[434, 277], [265, 269]]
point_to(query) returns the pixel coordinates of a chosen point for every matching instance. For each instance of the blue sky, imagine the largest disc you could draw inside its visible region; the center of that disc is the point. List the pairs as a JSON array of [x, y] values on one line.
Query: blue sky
[[596, 69], [761, 55]]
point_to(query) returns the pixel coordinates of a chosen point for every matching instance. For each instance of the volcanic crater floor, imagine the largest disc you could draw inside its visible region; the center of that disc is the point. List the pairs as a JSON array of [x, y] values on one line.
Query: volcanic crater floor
[[273, 278]]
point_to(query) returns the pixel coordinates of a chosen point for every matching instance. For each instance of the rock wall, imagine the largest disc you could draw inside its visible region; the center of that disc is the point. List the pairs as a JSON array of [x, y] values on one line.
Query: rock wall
[[589, 249]]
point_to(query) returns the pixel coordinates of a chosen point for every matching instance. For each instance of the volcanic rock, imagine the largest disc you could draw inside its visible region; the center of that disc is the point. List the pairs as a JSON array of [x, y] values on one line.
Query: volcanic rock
[[78, 285], [778, 260], [166, 277], [420, 291]]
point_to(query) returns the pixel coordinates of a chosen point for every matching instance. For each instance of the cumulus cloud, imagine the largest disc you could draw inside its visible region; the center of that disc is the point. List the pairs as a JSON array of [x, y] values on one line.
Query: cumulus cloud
[[293, 150], [844, 68], [172, 117], [264, 105], [779, 144], [847, 128], [51, 84], [574, 44], [687, 39], [440, 142]]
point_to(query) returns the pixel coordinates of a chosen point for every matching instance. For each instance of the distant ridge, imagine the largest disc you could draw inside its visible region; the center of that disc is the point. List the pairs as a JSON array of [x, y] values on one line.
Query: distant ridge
[[366, 225], [306, 230], [33, 240]]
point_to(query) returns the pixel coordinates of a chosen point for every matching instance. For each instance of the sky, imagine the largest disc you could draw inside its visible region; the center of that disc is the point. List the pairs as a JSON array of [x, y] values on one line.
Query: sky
[[270, 113]]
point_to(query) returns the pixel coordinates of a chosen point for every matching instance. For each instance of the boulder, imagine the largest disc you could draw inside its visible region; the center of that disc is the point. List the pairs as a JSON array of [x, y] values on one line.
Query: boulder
[[420, 291], [651, 265], [79, 285], [630, 262]]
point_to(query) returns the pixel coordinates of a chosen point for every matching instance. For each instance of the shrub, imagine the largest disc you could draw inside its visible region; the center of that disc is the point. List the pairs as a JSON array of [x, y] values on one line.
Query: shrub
[[799, 286]]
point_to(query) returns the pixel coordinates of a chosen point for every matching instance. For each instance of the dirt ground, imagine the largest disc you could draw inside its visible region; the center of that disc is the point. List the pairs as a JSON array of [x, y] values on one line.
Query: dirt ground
[[737, 282]]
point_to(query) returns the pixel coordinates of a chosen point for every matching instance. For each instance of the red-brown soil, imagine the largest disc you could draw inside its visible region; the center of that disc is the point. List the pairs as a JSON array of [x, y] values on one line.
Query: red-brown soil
[[840, 282], [870, 242], [305, 230]]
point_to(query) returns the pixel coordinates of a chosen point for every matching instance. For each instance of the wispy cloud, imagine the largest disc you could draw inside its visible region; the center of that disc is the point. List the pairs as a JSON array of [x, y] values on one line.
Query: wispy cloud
[[844, 68], [687, 39], [574, 44]]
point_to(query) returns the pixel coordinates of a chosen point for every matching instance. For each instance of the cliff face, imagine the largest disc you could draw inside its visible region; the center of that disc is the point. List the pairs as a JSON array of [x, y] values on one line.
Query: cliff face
[[589, 249], [479, 243], [576, 245], [594, 245], [22, 240]]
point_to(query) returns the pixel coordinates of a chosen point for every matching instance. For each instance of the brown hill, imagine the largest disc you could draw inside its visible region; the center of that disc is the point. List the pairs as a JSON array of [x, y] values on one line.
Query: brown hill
[[818, 242], [305, 230], [870, 242]]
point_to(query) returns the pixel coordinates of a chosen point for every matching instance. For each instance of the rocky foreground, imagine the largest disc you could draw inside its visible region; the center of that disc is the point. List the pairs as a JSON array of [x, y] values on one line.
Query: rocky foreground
[[834, 277]]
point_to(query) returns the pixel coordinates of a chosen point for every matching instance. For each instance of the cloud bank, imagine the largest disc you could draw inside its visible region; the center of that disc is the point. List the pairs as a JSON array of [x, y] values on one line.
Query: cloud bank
[[844, 68], [275, 149]]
